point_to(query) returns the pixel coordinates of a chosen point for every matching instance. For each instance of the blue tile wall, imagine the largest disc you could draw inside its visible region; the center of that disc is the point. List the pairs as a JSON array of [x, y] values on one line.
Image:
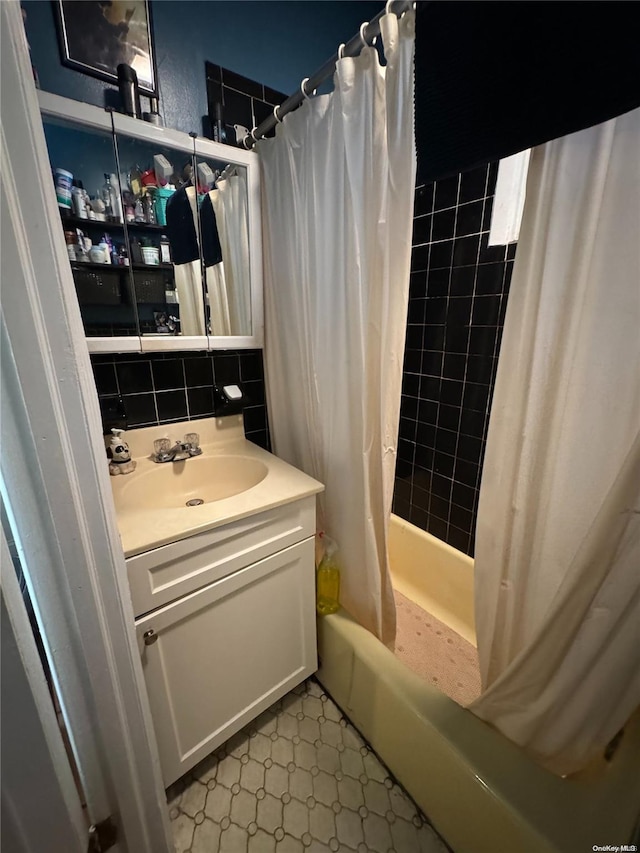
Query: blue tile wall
[[457, 301], [138, 390]]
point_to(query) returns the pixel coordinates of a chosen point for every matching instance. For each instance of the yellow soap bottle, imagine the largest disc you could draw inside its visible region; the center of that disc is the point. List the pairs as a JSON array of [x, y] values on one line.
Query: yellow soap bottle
[[328, 578]]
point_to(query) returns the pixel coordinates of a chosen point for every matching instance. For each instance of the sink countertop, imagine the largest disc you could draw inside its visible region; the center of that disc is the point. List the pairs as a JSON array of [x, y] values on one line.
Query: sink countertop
[[146, 528]]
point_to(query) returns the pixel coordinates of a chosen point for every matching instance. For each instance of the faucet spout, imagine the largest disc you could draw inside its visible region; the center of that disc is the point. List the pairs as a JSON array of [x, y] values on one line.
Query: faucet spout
[[179, 452]]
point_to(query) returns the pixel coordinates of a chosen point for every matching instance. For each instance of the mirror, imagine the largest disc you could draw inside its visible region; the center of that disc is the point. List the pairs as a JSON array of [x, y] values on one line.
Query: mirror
[[84, 171], [159, 205], [224, 231], [158, 229]]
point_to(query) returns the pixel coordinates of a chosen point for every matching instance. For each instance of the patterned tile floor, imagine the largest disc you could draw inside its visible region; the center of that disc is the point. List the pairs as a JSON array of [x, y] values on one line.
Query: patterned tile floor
[[298, 779]]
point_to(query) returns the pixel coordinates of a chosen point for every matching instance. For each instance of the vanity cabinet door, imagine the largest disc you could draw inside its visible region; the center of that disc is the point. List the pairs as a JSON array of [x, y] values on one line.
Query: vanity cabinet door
[[217, 658]]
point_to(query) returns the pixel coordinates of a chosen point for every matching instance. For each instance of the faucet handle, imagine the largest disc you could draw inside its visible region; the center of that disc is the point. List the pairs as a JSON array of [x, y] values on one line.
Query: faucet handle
[[192, 440], [161, 448]]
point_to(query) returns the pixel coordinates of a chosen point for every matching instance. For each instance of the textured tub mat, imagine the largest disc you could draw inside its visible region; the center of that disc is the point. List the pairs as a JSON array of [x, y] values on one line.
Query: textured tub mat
[[435, 652]]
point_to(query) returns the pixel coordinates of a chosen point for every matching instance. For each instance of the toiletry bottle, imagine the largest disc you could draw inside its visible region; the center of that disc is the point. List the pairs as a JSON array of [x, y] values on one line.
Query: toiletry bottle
[[138, 212], [116, 198], [136, 251], [165, 250], [105, 195], [149, 212], [328, 578], [77, 202], [87, 205], [70, 240]]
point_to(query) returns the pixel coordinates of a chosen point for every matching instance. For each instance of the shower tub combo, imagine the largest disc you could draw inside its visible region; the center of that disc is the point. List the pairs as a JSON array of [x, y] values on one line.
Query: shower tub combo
[[480, 791]]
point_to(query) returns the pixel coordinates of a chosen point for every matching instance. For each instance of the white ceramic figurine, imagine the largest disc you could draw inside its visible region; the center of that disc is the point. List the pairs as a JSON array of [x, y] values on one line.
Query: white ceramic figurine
[[120, 461]]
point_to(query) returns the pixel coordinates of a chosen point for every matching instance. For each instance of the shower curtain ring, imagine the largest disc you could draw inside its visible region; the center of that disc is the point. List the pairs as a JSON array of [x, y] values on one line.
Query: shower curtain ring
[[341, 51], [387, 8], [303, 88], [253, 134], [275, 113], [362, 38]]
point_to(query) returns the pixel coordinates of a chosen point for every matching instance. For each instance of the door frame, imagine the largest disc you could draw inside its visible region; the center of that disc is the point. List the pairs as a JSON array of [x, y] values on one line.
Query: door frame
[[55, 483], [41, 807]]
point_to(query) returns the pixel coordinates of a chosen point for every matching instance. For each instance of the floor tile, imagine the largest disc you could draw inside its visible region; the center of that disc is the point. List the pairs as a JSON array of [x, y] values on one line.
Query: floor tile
[[298, 779], [206, 836]]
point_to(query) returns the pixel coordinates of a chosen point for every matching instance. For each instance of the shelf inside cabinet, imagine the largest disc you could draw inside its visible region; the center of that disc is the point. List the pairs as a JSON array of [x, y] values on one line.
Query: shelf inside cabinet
[[78, 222], [89, 265]]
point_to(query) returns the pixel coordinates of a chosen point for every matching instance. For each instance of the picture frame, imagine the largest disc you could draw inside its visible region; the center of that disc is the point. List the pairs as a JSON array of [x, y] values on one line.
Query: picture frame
[[97, 35]]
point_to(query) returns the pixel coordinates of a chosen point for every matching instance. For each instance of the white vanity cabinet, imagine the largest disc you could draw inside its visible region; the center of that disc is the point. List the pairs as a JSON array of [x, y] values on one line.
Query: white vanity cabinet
[[235, 629]]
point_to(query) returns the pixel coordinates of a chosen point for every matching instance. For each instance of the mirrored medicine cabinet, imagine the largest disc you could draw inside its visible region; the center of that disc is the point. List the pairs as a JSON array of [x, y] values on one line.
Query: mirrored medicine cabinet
[[162, 231]]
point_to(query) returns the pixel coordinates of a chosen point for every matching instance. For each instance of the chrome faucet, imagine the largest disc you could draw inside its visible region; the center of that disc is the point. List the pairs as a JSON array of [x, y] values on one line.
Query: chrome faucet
[[180, 451]]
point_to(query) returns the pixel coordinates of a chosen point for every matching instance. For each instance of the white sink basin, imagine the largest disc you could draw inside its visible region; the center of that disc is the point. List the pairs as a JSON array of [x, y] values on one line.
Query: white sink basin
[[233, 478], [203, 479]]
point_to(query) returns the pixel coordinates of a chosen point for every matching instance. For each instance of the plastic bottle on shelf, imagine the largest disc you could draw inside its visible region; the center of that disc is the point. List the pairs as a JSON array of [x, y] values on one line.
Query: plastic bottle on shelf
[[77, 202], [105, 195], [116, 198], [70, 240], [165, 250], [328, 578], [138, 212], [149, 212]]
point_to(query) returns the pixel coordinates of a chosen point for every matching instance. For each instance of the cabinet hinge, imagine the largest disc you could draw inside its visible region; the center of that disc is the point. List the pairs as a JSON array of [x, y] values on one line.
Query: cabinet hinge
[[102, 836]]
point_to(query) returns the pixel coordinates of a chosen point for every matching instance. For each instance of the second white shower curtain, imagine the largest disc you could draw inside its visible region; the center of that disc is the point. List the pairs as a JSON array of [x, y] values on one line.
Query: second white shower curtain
[[338, 194]]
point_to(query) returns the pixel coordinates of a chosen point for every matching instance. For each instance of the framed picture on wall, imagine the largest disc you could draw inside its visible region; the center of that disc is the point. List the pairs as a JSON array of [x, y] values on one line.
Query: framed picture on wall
[[97, 35]]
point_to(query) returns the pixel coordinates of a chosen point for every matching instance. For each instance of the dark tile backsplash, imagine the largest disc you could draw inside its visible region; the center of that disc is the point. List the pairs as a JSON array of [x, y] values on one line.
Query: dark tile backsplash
[[162, 388], [245, 102], [457, 301]]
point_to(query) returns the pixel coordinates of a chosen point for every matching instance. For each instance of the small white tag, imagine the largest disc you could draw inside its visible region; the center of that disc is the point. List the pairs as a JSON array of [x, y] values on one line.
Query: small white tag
[[232, 392]]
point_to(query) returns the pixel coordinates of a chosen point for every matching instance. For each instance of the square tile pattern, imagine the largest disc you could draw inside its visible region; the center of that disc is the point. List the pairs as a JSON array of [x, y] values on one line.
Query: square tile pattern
[[136, 390], [244, 101], [457, 302], [298, 778]]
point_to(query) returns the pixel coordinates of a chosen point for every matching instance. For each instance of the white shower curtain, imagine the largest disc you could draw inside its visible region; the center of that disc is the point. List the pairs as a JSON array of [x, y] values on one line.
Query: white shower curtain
[[338, 196], [229, 284], [558, 542]]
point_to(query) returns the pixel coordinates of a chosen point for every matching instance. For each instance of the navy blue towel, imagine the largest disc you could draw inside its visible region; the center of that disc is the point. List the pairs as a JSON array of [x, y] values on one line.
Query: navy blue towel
[[181, 230]]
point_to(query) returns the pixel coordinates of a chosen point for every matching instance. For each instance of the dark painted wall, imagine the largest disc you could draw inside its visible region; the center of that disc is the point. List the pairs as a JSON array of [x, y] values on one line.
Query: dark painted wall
[[276, 43], [457, 302]]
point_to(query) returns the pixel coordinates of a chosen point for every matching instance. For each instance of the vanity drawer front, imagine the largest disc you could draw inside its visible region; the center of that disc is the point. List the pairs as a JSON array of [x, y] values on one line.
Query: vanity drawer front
[[217, 658], [172, 571]]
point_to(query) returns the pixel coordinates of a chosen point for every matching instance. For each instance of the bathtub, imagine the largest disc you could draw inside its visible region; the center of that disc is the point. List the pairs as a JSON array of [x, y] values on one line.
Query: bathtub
[[480, 791]]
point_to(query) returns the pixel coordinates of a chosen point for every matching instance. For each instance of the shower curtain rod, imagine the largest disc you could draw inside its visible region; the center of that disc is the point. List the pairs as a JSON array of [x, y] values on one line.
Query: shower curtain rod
[[368, 32]]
